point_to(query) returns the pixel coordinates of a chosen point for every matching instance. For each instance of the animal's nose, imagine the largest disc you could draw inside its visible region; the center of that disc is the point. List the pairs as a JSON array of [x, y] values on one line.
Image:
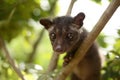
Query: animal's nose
[[58, 48]]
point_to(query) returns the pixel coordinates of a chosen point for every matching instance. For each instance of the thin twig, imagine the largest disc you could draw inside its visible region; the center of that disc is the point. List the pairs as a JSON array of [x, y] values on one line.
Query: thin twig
[[53, 62], [10, 60], [70, 7], [32, 54], [89, 40]]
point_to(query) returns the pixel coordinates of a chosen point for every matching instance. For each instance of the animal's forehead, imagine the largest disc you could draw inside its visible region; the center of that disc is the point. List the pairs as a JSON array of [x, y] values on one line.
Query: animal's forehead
[[59, 28], [63, 24], [63, 21], [63, 28]]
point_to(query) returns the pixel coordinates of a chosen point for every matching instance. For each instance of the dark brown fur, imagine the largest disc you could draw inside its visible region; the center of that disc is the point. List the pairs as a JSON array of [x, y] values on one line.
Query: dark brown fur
[[66, 35]]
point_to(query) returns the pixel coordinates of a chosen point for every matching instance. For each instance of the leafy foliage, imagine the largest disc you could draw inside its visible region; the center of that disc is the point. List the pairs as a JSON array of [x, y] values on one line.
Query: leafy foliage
[[15, 15], [97, 1], [111, 70], [101, 40], [18, 20], [17, 27]]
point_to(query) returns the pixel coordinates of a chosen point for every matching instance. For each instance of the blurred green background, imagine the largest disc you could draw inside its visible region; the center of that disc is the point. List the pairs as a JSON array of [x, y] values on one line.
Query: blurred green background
[[29, 45]]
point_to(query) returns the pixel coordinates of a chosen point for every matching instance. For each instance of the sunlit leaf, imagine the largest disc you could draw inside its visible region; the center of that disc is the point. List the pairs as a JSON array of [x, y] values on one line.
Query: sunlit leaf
[[101, 40], [97, 1], [117, 45]]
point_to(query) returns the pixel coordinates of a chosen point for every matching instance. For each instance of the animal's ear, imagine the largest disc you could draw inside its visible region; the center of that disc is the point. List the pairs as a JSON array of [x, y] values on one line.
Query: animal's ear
[[46, 23], [78, 19]]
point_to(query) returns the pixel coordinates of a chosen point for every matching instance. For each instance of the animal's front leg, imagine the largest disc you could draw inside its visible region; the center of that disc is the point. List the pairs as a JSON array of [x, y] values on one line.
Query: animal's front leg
[[67, 59]]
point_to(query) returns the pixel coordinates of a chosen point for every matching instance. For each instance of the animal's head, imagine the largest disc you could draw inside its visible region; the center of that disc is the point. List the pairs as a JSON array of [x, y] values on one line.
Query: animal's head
[[64, 32]]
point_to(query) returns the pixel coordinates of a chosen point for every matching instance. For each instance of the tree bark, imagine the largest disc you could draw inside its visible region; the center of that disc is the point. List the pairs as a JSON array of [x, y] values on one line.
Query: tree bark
[[10, 60]]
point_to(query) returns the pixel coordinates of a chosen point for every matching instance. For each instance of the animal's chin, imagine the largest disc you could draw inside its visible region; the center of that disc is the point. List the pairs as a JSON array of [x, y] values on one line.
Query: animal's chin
[[61, 52]]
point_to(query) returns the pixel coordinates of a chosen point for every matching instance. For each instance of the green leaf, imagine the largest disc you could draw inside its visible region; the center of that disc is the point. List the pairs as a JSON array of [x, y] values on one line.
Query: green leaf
[[97, 1], [117, 45], [101, 40]]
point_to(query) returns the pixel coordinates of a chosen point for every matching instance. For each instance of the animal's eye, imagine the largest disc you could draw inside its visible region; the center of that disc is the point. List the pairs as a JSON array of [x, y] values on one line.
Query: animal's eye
[[53, 36], [70, 36]]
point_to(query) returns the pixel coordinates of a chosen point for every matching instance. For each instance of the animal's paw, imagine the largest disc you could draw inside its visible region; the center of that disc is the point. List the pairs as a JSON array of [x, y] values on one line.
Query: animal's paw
[[67, 59]]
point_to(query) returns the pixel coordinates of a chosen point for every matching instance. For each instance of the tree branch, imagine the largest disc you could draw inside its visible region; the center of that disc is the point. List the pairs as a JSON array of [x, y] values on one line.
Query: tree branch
[[53, 62], [32, 54], [89, 40], [10, 60], [70, 7]]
